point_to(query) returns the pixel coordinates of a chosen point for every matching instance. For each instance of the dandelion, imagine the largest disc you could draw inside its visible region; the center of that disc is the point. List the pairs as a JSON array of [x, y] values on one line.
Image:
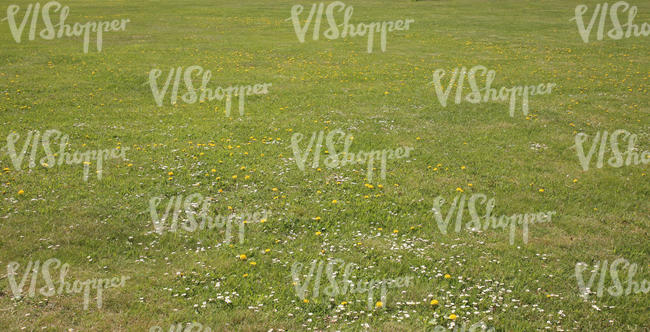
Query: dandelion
[[20, 192], [305, 300], [395, 231], [334, 201], [274, 189], [453, 316], [253, 263], [318, 233], [243, 257], [234, 177], [379, 304], [541, 190], [447, 276], [344, 303], [245, 275], [267, 250], [460, 189], [170, 173], [434, 302]]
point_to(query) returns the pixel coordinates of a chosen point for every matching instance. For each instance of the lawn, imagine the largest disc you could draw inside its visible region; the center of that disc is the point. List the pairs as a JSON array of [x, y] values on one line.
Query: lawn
[[206, 161]]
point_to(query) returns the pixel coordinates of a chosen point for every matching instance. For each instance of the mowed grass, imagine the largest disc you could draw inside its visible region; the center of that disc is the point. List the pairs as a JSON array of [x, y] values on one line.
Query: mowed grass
[[103, 228]]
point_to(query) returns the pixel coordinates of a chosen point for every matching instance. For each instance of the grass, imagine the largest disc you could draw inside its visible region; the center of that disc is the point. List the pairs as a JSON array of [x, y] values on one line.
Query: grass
[[103, 228]]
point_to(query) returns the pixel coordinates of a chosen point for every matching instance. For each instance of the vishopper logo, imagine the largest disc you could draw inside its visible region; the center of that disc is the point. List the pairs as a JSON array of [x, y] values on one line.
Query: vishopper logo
[[631, 154], [345, 157], [617, 288], [49, 33], [616, 32], [64, 287], [346, 286], [490, 94], [51, 159], [191, 96], [189, 327], [345, 29], [178, 205], [457, 208]]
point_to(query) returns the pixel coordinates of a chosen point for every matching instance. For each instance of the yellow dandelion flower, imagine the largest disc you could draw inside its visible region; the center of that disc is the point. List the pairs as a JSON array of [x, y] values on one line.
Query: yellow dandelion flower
[[395, 231], [379, 304], [245, 275], [20, 192], [334, 201], [447, 276], [252, 263], [453, 316], [234, 177], [305, 300], [318, 233], [243, 257], [434, 302]]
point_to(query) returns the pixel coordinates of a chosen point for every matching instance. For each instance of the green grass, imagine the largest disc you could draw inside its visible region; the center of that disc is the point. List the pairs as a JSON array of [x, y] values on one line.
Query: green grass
[[103, 228]]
